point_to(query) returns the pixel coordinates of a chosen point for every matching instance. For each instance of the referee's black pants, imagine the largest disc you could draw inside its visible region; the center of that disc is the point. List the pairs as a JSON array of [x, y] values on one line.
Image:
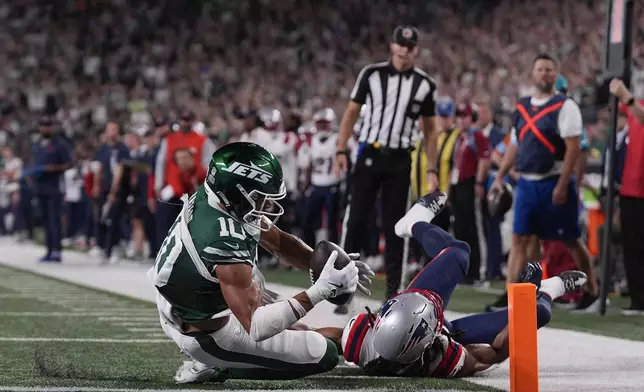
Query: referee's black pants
[[387, 171], [465, 225]]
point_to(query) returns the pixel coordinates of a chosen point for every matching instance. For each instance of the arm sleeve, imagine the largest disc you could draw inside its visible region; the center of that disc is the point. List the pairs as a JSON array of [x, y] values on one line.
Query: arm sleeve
[[361, 88], [428, 107], [159, 170], [207, 150], [569, 120]]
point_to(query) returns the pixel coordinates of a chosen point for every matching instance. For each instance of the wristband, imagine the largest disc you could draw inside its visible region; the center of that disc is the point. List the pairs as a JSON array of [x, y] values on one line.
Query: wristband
[[435, 171], [316, 294], [630, 102], [341, 152]]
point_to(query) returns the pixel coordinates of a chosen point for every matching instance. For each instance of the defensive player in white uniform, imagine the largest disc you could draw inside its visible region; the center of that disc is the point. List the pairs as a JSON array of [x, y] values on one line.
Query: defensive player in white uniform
[[323, 190], [210, 294]]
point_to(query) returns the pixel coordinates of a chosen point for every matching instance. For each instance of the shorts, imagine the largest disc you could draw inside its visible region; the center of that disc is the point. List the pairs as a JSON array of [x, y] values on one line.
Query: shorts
[[534, 213]]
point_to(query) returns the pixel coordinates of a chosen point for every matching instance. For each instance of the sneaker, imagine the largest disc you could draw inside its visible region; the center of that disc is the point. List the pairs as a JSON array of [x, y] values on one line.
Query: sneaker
[[424, 210], [632, 311], [499, 304], [532, 273], [573, 280], [194, 372]]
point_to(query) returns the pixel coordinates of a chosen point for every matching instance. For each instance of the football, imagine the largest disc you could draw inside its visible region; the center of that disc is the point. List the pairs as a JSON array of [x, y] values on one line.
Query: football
[[321, 254]]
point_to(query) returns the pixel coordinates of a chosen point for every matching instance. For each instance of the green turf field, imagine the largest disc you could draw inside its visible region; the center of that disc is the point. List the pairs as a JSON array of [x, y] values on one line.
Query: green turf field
[[56, 334], [469, 300]]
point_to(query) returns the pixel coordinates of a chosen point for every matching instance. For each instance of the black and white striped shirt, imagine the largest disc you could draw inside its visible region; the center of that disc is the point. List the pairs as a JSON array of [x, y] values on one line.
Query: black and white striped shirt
[[395, 100]]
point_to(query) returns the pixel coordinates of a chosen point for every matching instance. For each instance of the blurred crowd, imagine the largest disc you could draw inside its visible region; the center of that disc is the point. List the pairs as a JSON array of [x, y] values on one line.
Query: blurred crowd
[[138, 65]]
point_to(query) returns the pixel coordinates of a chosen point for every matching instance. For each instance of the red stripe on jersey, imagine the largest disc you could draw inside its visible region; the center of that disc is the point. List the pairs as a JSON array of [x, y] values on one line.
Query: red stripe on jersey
[[356, 337], [451, 357]]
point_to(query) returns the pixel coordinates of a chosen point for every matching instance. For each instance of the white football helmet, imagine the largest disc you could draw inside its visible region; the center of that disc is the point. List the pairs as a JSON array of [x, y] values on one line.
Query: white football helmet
[[307, 128], [325, 120], [406, 325], [272, 119]]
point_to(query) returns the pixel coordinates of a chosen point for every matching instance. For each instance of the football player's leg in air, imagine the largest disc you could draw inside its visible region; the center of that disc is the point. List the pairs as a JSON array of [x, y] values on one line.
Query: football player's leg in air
[[481, 339], [450, 265]]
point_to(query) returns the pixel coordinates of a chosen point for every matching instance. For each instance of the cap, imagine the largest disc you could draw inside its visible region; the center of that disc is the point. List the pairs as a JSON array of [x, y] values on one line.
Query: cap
[[561, 84], [45, 121], [187, 115], [445, 107], [405, 36], [160, 121], [466, 109]]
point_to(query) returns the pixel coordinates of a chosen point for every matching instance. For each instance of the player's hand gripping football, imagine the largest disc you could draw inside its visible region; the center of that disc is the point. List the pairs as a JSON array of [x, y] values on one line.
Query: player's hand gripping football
[[364, 274], [333, 282]]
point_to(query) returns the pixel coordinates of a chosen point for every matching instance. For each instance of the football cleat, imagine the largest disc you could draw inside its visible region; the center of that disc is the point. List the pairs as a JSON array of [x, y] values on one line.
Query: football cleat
[[194, 372], [532, 274], [424, 210], [573, 280]]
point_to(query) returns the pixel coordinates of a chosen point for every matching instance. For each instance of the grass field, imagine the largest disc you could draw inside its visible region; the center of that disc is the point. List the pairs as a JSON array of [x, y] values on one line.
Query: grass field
[[56, 334], [470, 300]]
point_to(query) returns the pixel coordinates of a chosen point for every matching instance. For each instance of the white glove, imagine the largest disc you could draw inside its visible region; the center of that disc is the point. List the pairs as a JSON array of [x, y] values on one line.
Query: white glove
[[333, 282], [364, 273]]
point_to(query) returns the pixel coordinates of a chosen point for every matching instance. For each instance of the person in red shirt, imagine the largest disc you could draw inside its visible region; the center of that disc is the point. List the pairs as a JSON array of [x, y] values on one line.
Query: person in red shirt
[[167, 171], [631, 200], [471, 160]]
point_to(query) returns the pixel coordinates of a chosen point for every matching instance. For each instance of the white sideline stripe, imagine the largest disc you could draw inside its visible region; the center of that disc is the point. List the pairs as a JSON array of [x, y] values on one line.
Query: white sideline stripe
[[92, 389], [122, 318], [146, 311], [136, 324], [85, 340], [156, 329], [65, 314]]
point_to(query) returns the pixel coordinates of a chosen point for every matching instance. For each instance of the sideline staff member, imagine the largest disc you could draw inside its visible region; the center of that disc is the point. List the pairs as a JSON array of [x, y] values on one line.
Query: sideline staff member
[[398, 97], [53, 156]]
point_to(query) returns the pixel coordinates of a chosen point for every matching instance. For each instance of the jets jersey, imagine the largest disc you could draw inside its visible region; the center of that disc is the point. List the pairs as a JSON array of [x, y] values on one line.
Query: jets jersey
[[203, 237]]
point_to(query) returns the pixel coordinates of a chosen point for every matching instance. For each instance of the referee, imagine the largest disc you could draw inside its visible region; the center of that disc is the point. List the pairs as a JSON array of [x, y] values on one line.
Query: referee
[[398, 97]]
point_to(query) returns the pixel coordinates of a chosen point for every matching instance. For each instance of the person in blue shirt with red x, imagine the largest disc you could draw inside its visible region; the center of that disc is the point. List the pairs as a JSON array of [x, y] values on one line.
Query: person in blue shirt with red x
[[547, 129]]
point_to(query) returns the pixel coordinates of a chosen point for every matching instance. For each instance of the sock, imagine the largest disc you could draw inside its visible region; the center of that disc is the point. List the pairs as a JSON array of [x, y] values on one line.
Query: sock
[[554, 287], [421, 213]]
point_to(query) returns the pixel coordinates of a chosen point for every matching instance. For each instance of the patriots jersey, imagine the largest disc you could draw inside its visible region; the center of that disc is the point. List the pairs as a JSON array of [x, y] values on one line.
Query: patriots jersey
[[443, 359], [321, 156], [283, 145]]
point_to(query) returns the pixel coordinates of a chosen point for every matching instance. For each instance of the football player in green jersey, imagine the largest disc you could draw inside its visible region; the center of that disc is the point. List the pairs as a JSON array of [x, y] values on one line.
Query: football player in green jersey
[[211, 296]]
